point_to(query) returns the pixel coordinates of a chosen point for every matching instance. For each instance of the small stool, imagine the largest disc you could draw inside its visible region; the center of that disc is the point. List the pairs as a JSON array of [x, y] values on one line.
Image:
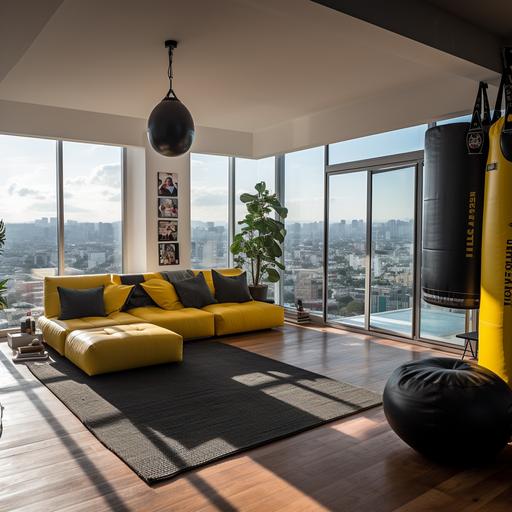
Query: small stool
[[469, 337], [120, 347]]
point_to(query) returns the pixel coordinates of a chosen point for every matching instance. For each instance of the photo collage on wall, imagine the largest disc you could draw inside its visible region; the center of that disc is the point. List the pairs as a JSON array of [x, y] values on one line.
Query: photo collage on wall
[[168, 246]]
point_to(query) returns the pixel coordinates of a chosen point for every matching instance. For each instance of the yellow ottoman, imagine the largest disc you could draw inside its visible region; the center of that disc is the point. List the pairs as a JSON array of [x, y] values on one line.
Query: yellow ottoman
[[120, 347]]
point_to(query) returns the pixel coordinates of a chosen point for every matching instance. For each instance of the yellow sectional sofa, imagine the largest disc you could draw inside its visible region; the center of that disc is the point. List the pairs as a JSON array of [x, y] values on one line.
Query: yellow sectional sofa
[[86, 341]]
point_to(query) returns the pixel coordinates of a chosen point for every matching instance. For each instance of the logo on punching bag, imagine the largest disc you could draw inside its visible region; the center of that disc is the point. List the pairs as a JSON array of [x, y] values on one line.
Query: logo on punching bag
[[475, 142]]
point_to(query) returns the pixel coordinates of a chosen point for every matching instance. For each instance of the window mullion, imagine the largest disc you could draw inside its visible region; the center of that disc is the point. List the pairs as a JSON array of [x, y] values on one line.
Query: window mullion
[[60, 208]]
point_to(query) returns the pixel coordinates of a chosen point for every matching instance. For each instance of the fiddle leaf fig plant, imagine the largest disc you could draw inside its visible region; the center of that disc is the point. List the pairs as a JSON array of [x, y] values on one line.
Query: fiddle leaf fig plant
[[3, 282], [258, 244]]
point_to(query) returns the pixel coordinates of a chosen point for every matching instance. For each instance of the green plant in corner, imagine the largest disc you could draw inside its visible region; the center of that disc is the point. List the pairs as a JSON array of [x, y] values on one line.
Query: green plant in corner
[[258, 245], [3, 282]]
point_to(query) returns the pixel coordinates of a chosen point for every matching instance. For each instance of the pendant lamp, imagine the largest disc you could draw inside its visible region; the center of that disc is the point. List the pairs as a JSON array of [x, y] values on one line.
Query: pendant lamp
[[170, 125]]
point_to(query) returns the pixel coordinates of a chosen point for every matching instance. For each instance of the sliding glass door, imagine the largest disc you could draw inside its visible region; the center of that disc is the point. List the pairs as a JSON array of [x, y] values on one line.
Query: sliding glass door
[[346, 253], [371, 254], [392, 250]]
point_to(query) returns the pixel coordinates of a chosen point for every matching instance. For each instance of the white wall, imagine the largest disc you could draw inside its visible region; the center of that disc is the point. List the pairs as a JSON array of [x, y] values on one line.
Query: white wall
[[157, 163], [135, 226]]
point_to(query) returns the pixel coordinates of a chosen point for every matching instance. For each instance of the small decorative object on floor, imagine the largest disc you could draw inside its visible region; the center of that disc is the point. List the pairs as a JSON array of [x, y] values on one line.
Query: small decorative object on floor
[[28, 324], [449, 410], [302, 314], [33, 352], [22, 339]]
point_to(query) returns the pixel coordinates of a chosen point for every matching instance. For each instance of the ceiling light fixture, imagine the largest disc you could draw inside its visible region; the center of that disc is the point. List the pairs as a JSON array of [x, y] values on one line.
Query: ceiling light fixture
[[170, 125]]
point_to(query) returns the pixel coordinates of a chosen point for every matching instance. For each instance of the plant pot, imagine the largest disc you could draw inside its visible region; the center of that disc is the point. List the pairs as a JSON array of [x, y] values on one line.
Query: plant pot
[[259, 292]]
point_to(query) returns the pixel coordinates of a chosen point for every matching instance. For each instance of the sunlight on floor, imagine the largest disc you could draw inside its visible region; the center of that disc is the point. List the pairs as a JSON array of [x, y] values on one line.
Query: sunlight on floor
[[252, 486], [357, 427]]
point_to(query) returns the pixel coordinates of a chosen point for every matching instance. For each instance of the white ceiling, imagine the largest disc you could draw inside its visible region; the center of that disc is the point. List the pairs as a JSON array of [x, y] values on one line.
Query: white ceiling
[[243, 65]]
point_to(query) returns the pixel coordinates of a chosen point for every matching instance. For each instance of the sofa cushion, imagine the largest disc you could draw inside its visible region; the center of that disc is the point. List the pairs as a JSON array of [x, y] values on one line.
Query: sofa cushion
[[231, 318], [138, 298], [120, 347], [177, 275], [55, 331], [76, 303], [163, 293], [188, 322], [194, 292], [115, 296], [51, 295], [231, 288], [224, 271]]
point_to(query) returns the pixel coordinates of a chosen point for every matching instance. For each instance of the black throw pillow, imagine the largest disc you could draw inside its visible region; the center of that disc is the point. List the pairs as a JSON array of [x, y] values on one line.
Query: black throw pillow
[[138, 297], [231, 288], [194, 292], [75, 303], [177, 275]]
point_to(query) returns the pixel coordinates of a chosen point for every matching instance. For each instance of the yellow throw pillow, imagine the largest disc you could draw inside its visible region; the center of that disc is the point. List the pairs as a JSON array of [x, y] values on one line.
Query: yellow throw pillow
[[115, 296], [163, 293]]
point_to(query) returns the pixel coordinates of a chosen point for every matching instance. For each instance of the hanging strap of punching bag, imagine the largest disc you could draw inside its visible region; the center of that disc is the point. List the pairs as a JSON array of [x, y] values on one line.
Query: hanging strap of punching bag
[[506, 131], [481, 118], [499, 99]]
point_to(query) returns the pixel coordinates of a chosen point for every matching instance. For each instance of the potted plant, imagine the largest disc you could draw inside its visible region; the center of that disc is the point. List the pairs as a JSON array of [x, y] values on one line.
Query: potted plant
[[258, 245], [3, 282]]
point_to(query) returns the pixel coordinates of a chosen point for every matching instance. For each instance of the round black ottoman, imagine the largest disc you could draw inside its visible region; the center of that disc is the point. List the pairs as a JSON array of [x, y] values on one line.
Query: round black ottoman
[[449, 410]]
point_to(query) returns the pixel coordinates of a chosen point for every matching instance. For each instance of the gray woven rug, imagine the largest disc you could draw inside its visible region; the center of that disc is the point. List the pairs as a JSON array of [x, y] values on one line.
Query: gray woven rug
[[166, 419]]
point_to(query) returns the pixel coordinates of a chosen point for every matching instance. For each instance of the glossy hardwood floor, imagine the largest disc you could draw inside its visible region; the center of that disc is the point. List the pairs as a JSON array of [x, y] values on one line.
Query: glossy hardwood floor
[[50, 462]]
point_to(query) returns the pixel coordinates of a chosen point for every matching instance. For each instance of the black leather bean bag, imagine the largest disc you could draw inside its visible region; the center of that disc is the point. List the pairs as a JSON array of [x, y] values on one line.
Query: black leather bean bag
[[449, 410]]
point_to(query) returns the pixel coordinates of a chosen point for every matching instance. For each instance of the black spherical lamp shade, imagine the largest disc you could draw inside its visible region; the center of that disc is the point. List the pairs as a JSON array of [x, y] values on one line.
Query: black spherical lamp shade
[[171, 128]]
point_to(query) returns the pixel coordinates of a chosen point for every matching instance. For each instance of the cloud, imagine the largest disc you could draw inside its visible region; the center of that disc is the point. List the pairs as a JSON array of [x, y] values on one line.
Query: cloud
[[76, 182], [111, 196], [209, 197], [23, 192], [115, 197], [108, 175]]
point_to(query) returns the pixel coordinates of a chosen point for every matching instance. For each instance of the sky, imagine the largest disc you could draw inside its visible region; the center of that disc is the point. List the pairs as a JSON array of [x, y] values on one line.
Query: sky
[[92, 180], [393, 192]]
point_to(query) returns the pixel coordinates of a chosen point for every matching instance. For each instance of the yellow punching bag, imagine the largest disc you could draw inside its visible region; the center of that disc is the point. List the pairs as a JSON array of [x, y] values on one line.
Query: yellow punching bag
[[495, 321]]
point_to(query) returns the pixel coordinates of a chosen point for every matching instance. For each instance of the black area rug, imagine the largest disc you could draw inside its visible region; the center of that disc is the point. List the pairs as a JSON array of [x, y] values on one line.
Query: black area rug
[[163, 420]]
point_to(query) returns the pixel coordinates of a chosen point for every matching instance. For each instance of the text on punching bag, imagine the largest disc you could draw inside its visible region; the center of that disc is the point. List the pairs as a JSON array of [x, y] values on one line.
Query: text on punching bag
[[507, 290], [470, 230]]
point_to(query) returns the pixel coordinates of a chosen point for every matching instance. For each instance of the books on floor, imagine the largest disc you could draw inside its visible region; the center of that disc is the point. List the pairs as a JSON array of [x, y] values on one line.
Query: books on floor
[[33, 352], [302, 317]]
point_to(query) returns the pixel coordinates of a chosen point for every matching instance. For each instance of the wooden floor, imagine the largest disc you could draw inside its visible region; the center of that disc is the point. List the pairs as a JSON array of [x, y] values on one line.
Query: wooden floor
[[50, 462]]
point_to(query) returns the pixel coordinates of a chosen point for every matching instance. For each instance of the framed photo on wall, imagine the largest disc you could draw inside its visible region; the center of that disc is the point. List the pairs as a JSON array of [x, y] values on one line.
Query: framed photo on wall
[[167, 208], [167, 230], [167, 184], [167, 218], [169, 254]]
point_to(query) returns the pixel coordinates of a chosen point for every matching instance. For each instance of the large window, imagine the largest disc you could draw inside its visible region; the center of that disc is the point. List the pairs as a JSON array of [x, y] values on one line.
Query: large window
[[392, 250], [28, 206], [346, 276], [92, 199], [209, 211], [303, 251], [92, 208]]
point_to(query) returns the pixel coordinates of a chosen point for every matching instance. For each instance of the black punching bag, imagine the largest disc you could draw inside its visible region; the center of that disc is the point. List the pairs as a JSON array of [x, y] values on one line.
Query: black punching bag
[[453, 195]]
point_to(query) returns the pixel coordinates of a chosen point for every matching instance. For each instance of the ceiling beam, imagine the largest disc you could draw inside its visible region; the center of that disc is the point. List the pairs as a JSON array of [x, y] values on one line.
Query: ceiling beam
[[427, 24]]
